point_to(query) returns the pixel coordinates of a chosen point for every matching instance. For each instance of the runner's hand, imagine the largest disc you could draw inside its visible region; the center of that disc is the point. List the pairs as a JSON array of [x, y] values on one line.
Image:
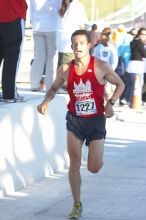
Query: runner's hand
[[43, 108], [109, 112]]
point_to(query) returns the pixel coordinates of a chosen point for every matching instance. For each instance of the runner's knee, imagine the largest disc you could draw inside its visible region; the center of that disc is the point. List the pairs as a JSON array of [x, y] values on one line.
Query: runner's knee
[[95, 168], [74, 165]]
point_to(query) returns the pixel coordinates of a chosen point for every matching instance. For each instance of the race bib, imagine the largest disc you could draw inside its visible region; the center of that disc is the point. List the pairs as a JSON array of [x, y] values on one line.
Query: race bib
[[85, 107]]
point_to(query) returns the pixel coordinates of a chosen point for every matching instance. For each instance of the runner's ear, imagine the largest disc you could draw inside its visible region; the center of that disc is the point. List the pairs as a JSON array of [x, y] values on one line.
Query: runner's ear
[[89, 44]]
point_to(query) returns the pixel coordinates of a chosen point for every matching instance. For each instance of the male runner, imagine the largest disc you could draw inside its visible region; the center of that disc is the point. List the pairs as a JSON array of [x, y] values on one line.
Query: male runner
[[85, 77]]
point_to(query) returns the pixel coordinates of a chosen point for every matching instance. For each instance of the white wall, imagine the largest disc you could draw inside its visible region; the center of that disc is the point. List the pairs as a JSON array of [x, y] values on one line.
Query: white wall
[[32, 146]]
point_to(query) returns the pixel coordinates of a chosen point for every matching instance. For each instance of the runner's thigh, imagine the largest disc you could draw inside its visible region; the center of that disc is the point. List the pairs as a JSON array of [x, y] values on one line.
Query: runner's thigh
[[95, 155]]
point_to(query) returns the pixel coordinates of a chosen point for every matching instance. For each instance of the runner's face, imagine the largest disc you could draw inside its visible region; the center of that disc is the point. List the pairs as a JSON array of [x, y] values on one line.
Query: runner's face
[[80, 46]]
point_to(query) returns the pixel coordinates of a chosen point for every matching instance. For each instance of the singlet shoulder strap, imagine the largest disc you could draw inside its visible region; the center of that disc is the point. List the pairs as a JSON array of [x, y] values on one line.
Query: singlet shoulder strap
[[71, 72], [91, 63], [72, 62]]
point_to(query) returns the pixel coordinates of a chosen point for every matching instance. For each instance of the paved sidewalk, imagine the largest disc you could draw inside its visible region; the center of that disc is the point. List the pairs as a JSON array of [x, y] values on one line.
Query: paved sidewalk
[[127, 114], [118, 192]]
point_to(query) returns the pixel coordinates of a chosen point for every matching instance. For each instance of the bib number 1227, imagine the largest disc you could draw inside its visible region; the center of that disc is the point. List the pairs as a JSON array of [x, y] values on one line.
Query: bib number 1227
[[85, 107]]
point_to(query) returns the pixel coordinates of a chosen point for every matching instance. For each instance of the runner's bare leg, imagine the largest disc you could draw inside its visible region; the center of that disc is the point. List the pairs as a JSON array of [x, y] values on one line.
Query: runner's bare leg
[[74, 151]]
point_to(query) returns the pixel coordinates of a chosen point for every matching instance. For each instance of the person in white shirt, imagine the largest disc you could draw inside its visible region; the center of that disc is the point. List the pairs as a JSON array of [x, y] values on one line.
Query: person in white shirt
[[72, 17], [107, 52], [44, 18]]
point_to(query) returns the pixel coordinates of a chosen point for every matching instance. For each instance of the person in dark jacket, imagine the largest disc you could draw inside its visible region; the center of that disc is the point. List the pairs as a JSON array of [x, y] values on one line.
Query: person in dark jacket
[[136, 63], [124, 51], [12, 16]]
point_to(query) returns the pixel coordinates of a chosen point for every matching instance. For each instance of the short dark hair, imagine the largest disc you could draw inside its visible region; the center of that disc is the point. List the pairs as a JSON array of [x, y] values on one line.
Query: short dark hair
[[94, 27], [81, 32], [140, 31]]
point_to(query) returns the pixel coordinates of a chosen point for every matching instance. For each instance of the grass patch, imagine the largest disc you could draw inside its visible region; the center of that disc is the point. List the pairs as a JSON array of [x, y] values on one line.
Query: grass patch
[[103, 7]]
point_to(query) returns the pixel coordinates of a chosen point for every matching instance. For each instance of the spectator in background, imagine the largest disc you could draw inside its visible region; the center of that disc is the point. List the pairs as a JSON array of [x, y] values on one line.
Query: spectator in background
[[44, 19], [94, 36], [136, 63], [12, 16], [108, 53], [124, 52], [118, 35], [72, 17]]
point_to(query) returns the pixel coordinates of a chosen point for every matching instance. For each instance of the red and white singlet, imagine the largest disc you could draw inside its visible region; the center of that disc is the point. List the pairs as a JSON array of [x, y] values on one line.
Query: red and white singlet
[[86, 93]]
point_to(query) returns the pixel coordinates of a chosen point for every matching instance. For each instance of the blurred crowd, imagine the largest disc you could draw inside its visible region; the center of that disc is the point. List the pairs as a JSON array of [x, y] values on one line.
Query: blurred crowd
[[53, 23], [125, 51]]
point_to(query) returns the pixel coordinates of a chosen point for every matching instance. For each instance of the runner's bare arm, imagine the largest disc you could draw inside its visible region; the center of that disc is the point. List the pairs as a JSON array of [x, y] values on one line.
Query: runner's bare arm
[[114, 79], [105, 72], [61, 76]]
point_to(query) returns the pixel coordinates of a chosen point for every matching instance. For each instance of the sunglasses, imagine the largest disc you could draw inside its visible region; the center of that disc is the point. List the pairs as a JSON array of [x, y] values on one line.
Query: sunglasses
[[143, 34], [133, 34]]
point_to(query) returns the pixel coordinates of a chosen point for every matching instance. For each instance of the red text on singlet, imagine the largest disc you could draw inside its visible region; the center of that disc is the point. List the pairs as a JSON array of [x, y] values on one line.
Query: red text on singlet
[[85, 92]]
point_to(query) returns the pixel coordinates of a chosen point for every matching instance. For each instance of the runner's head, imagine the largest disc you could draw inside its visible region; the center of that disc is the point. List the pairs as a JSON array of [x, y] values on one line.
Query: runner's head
[[81, 45], [81, 32]]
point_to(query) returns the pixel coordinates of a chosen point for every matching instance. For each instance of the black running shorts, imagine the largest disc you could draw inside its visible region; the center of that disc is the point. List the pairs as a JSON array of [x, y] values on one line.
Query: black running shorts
[[86, 129]]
